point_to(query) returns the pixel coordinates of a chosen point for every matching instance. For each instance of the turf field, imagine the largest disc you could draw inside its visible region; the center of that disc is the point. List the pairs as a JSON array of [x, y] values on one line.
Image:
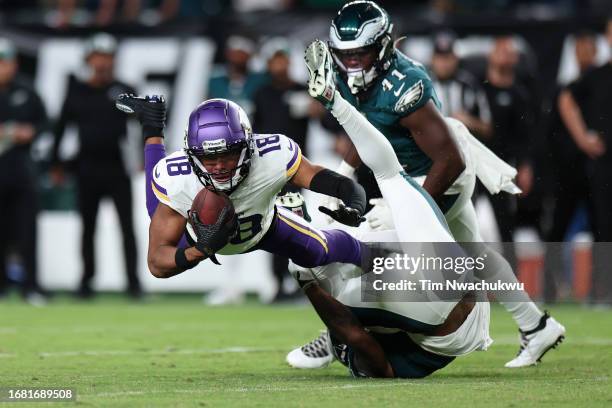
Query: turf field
[[173, 351]]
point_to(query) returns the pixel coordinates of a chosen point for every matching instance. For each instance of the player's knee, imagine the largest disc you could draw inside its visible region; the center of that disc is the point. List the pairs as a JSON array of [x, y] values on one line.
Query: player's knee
[[311, 258]]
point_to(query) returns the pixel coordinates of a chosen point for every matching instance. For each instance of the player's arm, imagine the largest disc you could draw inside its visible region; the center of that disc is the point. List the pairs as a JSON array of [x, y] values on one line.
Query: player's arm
[[432, 135], [322, 180], [165, 231], [369, 357]]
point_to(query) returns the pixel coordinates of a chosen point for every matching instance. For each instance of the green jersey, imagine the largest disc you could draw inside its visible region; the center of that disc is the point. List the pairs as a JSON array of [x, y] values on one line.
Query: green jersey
[[403, 89]]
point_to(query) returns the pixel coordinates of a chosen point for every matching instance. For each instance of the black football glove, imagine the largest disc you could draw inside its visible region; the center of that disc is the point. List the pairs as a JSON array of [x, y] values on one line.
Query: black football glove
[[149, 109], [345, 215], [211, 238]]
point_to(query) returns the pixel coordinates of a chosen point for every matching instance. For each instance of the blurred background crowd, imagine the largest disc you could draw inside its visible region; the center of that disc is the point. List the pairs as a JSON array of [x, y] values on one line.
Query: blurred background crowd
[[531, 79]]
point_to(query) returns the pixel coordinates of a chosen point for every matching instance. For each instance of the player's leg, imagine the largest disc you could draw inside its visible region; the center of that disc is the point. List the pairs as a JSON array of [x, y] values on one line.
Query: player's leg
[[465, 229], [293, 237], [415, 214], [538, 330]]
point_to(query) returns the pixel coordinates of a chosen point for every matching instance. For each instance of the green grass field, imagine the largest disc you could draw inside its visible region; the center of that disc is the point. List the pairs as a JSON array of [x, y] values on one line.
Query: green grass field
[[173, 351]]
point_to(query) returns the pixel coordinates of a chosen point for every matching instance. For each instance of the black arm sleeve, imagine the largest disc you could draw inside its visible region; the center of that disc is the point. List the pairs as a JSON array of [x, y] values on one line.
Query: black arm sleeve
[[333, 184]]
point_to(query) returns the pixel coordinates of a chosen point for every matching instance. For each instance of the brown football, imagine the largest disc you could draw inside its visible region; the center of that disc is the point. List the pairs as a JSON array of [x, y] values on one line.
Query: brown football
[[208, 205]]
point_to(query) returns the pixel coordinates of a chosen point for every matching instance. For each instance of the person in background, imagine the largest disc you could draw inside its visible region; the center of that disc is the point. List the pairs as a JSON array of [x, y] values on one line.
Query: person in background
[[585, 50], [585, 110], [460, 94], [22, 118], [234, 81], [568, 168], [510, 140], [282, 106], [100, 170]]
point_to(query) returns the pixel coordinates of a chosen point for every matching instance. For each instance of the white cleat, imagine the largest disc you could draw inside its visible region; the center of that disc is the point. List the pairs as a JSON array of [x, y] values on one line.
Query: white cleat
[[321, 82], [535, 343], [316, 354]]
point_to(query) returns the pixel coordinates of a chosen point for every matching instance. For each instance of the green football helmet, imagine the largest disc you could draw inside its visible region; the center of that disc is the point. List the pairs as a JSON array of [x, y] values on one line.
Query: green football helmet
[[359, 29]]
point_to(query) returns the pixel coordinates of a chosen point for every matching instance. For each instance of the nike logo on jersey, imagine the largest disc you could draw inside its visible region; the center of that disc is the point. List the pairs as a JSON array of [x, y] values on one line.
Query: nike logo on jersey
[[399, 90]]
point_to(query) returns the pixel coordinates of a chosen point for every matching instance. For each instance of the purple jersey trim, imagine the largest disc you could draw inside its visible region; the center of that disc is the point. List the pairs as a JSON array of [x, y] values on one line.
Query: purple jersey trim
[[296, 150], [159, 188]]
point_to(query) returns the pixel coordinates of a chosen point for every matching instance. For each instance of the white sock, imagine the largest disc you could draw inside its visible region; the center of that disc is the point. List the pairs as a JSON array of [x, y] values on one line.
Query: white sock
[[517, 302], [373, 147], [377, 153], [526, 314]]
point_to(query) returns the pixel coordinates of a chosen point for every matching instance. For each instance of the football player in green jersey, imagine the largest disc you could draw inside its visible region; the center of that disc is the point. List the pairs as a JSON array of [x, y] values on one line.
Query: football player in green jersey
[[395, 94]]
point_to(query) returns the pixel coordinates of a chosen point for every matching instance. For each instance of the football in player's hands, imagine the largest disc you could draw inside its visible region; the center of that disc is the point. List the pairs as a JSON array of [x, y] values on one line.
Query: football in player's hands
[[214, 221], [345, 215]]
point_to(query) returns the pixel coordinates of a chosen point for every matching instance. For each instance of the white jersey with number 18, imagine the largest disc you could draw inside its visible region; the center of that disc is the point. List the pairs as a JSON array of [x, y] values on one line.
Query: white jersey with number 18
[[275, 160]]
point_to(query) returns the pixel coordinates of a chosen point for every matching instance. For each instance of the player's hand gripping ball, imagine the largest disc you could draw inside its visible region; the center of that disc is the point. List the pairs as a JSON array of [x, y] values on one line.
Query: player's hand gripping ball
[[214, 221]]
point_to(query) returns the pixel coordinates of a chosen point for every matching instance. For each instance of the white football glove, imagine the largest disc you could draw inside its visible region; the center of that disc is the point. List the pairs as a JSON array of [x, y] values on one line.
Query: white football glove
[[379, 217], [321, 82]]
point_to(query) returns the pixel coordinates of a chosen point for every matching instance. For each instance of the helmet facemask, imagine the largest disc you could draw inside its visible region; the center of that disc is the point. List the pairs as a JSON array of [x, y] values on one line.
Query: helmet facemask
[[236, 174], [359, 78], [219, 127], [361, 26]]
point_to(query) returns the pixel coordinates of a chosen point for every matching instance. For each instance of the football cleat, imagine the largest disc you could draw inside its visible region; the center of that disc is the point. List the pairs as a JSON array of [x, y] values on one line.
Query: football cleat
[[321, 82], [150, 111], [130, 103], [535, 343], [316, 354]]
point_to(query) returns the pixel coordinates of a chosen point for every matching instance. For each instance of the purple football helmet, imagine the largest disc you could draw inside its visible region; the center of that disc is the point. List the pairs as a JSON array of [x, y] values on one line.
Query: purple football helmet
[[215, 127]]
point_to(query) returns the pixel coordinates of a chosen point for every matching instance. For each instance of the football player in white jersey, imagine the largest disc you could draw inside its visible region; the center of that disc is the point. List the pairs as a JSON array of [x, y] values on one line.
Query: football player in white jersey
[[416, 218], [417, 337], [221, 153], [396, 96]]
